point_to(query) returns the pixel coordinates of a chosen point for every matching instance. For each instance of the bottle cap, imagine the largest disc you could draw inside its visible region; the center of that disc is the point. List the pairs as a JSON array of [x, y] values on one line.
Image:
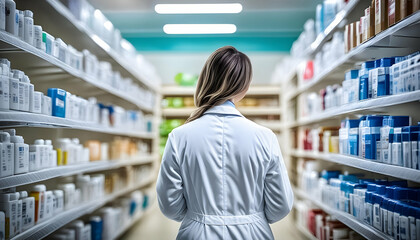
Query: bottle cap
[[29, 13], [58, 193], [5, 61], [4, 137], [23, 194], [39, 142], [11, 131], [48, 142], [39, 188]]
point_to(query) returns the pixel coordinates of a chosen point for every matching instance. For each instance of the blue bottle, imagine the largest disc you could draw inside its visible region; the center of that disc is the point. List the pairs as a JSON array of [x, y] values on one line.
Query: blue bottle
[[380, 87], [364, 79], [353, 137], [58, 101], [372, 136]]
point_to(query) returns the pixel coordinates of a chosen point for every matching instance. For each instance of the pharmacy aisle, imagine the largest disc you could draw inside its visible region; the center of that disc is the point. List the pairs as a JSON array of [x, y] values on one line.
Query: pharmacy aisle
[[78, 126], [90, 91], [353, 121]]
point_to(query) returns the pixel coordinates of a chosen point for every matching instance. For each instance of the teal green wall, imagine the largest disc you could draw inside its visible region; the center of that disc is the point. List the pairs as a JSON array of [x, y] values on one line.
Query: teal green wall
[[256, 30]]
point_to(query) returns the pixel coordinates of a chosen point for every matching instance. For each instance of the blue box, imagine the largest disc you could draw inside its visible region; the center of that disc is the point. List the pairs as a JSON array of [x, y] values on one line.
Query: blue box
[[58, 101]]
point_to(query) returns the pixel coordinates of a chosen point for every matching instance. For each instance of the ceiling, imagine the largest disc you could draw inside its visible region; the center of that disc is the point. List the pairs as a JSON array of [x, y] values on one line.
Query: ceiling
[[263, 25]]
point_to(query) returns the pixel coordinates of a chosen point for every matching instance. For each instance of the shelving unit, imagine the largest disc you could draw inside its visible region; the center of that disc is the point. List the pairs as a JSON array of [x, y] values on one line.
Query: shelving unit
[[255, 91], [11, 119], [365, 230], [133, 221], [364, 164], [398, 40], [45, 228], [38, 64], [46, 71], [376, 105], [69, 170], [246, 111], [81, 37], [385, 44]]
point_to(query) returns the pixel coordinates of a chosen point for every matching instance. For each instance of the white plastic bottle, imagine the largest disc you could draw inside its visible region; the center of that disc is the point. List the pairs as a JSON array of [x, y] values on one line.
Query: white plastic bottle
[[29, 27], [21, 152], [52, 154], [2, 15], [8, 204], [36, 155], [37, 103], [4, 86], [7, 155], [37, 37], [49, 204], [21, 24], [12, 18], [29, 103], [19, 214], [58, 201], [18, 75], [13, 92], [46, 105], [28, 210]]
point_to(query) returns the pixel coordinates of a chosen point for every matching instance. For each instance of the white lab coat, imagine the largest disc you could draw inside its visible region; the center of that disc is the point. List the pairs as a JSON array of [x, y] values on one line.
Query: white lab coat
[[223, 176]]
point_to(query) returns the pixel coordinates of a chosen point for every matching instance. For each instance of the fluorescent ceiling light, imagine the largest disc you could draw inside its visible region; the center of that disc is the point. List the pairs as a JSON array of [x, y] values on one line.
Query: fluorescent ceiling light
[[198, 8], [199, 28]]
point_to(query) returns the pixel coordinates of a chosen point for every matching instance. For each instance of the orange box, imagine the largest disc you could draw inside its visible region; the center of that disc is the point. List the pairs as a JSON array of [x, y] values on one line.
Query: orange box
[[381, 16], [94, 150]]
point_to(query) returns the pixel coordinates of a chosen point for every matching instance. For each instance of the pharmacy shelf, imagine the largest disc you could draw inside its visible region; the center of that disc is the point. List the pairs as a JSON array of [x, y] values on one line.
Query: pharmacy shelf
[[257, 90], [360, 163], [24, 119], [247, 111], [374, 105], [337, 24], [62, 171], [306, 232], [274, 125], [77, 34], [39, 64], [134, 220], [400, 39], [363, 229], [43, 229]]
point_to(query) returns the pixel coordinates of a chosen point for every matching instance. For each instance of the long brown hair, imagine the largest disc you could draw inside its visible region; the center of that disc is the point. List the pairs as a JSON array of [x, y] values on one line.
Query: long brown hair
[[226, 73]]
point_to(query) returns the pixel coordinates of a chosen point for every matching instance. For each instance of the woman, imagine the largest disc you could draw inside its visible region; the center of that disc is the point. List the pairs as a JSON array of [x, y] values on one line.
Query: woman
[[222, 175]]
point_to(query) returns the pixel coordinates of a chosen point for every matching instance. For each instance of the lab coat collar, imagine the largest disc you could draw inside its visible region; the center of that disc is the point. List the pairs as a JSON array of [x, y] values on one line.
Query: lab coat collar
[[226, 108]]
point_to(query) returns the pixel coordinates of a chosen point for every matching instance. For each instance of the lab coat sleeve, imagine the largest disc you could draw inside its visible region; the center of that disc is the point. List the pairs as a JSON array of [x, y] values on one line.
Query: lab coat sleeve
[[278, 194], [169, 184]]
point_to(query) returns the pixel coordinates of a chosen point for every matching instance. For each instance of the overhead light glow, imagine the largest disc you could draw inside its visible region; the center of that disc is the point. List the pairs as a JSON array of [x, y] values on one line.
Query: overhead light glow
[[199, 28], [198, 8]]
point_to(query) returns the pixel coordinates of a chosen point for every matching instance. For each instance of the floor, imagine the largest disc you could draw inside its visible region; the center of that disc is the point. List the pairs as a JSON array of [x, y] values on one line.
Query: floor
[[156, 226]]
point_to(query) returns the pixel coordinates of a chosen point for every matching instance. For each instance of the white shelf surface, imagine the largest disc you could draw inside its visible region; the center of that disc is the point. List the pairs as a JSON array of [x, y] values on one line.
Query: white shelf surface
[[133, 220], [363, 229], [257, 90], [375, 104], [28, 57], [77, 34], [274, 125], [400, 39], [360, 163], [47, 227], [247, 111], [21, 119], [68, 170], [306, 232]]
